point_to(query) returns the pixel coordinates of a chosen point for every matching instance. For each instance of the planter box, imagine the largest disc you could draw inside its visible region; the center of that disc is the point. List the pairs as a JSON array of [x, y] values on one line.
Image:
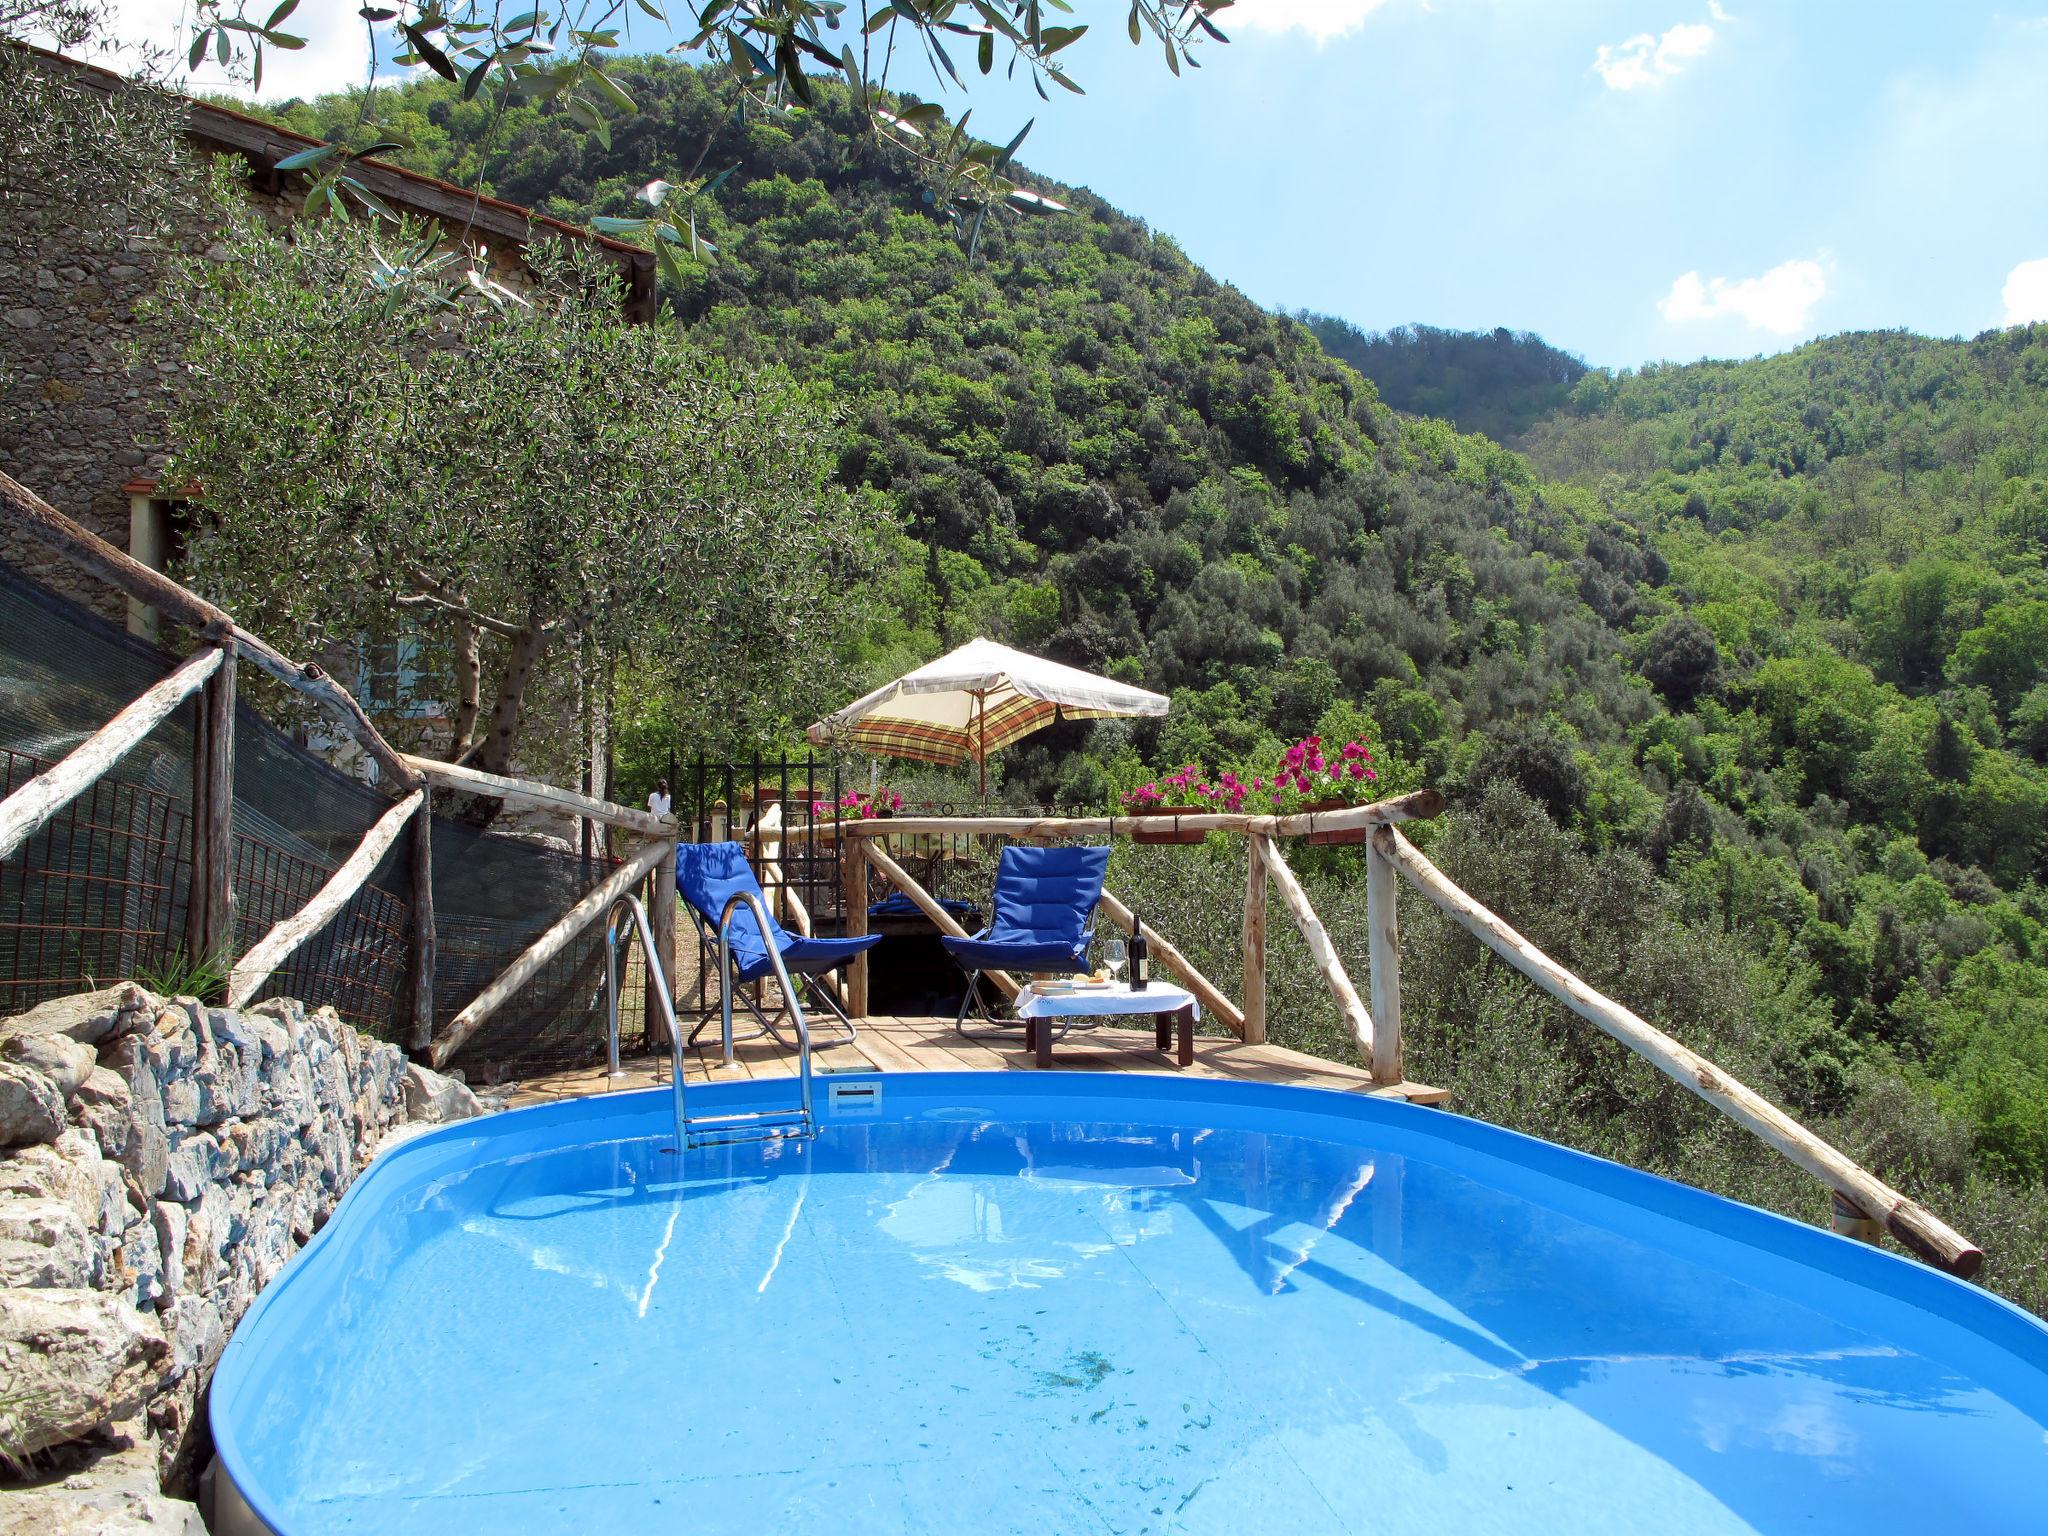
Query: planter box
[[1336, 835]]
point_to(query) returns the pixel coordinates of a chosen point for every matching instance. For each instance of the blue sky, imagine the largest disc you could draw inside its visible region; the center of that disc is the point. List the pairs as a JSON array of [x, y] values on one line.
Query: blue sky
[[1634, 179], [1721, 180]]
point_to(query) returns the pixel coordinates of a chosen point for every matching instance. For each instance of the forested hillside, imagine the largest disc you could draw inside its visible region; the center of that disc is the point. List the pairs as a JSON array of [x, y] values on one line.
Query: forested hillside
[[1764, 641], [1856, 688], [1100, 451]]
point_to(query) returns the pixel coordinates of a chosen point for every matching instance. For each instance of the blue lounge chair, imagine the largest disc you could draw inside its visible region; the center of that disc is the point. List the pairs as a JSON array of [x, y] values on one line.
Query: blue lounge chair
[[708, 877], [1040, 917]]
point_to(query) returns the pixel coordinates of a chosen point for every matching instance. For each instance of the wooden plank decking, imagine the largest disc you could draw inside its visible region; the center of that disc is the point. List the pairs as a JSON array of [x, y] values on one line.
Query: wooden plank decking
[[892, 1044]]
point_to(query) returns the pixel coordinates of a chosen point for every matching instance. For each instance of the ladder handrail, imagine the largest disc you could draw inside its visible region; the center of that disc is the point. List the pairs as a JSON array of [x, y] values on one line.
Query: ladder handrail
[[795, 1004], [668, 1007], [638, 912]]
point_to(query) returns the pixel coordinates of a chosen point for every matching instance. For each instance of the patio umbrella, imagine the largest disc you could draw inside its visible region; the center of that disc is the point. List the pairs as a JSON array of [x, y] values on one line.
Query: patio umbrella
[[974, 701]]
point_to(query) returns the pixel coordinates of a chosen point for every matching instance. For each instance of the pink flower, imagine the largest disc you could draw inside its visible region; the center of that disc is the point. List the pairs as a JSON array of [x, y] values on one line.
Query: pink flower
[[1370, 774], [1359, 770]]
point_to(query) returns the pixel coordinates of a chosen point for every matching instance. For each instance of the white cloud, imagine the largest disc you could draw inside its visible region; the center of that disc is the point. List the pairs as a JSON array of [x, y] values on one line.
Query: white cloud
[[1650, 60], [1320, 19], [1781, 301], [2026, 292]]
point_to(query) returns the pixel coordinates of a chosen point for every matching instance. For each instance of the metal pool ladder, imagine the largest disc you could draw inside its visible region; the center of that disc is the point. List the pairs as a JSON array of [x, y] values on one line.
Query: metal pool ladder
[[709, 1130]]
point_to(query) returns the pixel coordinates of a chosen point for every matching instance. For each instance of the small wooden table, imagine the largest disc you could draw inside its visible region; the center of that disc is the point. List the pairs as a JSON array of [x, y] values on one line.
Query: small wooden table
[[1174, 1009]]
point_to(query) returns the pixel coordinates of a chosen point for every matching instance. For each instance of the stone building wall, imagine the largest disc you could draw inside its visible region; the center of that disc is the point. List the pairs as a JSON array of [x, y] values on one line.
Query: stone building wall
[[74, 411], [82, 372], [160, 1161]]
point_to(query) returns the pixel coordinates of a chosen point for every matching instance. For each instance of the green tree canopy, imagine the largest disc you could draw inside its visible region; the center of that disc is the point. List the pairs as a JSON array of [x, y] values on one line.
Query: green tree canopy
[[508, 485]]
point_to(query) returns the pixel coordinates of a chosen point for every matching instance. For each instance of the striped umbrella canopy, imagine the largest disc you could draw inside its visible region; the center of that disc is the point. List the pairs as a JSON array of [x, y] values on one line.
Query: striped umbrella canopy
[[974, 701]]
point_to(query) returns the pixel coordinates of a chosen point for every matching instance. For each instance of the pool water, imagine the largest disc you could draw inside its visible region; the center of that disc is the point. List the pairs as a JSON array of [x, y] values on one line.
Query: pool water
[[1054, 1303]]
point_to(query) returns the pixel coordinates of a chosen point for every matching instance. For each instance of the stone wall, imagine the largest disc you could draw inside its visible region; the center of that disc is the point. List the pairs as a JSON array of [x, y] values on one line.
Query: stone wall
[[160, 1161]]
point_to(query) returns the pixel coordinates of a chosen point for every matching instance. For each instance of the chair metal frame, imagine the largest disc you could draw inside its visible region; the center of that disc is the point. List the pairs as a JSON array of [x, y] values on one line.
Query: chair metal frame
[[717, 939]]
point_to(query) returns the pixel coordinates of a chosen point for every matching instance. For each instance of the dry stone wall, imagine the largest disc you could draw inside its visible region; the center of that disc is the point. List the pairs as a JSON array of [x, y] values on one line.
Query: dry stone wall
[[160, 1161]]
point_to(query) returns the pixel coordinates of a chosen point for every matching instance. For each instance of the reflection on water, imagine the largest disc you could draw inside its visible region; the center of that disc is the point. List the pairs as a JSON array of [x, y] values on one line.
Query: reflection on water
[[964, 1324]]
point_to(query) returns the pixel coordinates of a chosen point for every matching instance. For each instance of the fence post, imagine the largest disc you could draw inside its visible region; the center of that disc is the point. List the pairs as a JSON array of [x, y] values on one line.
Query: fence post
[[210, 914], [420, 1027], [1254, 946], [1383, 957], [853, 898], [661, 921]]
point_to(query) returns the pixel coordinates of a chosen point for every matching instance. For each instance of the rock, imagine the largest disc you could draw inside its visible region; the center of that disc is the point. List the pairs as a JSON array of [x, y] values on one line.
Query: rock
[[196, 1333], [44, 1244], [31, 1108], [436, 1099], [90, 1018], [60, 1058], [75, 1360], [184, 1101], [253, 1145], [170, 1222], [147, 1156], [101, 1106], [138, 1261], [115, 1494], [209, 1229], [195, 1162], [61, 1172]]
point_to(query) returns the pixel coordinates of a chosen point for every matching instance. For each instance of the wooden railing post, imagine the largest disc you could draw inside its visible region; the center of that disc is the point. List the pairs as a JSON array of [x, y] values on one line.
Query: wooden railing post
[[853, 899], [278, 945], [661, 922], [1349, 1008], [419, 1034], [1255, 903], [1911, 1223], [1383, 956], [210, 926], [30, 807]]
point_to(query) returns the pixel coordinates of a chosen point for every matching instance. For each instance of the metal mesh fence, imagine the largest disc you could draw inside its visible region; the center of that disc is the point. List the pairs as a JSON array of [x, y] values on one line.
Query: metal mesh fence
[[100, 893]]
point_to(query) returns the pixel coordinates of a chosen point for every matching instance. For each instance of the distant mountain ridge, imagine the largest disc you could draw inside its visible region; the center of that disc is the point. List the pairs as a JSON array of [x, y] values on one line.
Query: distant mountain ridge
[[1497, 383]]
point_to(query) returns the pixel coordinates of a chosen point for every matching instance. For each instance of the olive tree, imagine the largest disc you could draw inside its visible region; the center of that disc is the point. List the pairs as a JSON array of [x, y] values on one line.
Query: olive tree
[[515, 482]]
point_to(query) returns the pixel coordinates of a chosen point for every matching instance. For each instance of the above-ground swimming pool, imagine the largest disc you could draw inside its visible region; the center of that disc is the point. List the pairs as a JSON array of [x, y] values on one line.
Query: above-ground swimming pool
[[1056, 1303]]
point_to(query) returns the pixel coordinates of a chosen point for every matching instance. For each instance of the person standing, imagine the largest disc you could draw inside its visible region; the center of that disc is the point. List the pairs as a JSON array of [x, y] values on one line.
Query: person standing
[[658, 802]]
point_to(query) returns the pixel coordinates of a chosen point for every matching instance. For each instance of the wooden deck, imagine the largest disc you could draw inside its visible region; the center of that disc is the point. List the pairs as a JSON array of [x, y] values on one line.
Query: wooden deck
[[892, 1044]]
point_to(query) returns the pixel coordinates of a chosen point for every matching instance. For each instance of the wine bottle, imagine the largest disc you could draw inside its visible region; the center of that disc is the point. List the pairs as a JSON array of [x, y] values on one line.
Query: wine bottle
[[1141, 955]]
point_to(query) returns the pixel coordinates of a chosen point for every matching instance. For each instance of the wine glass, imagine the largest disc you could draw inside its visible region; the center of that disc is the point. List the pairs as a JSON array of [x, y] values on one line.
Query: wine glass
[[1113, 957]]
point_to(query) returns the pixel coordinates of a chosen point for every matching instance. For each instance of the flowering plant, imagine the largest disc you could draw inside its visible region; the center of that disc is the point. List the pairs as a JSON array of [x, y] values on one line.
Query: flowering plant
[[858, 805], [1303, 775], [1185, 786]]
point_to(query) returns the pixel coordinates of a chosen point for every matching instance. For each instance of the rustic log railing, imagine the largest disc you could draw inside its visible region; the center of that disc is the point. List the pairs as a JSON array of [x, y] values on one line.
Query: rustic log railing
[[25, 811], [210, 673], [1862, 1203]]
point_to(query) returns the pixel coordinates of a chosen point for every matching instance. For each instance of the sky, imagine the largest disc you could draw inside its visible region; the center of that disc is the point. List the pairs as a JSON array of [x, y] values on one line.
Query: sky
[[1633, 179]]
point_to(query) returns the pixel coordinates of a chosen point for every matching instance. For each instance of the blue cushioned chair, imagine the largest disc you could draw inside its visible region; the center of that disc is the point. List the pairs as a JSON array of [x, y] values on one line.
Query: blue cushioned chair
[[708, 875], [1044, 899]]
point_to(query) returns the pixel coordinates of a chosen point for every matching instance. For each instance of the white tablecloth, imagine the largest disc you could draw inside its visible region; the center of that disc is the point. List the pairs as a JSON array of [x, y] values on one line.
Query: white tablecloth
[[1159, 997]]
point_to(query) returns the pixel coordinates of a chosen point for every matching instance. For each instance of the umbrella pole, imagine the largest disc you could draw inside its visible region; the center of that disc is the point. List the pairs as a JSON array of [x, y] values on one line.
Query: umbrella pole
[[981, 717]]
